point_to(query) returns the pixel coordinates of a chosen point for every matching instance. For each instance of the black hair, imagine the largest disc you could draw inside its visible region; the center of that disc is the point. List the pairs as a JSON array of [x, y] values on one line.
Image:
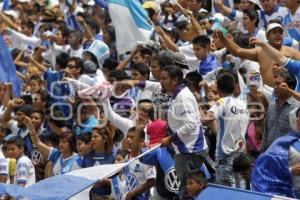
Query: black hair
[[164, 58], [252, 14], [118, 75], [202, 40], [18, 141], [70, 137], [84, 137], [39, 111], [91, 23], [78, 62], [142, 69], [226, 82], [181, 25], [151, 12], [25, 108], [110, 64], [27, 99], [290, 79], [151, 111], [173, 33], [145, 51], [29, 24], [242, 163], [56, 117], [122, 152], [105, 15], [111, 31], [64, 32], [141, 134], [43, 94], [62, 59], [78, 34], [174, 72], [192, 79], [198, 176]]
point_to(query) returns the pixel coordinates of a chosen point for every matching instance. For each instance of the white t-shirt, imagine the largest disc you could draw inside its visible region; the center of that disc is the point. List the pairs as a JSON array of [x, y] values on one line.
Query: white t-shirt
[[232, 119], [137, 174], [25, 172], [3, 165], [188, 52]]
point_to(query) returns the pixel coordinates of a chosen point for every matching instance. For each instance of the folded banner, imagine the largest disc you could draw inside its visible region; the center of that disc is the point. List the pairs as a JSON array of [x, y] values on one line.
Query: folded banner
[[67, 185], [227, 193], [129, 15]]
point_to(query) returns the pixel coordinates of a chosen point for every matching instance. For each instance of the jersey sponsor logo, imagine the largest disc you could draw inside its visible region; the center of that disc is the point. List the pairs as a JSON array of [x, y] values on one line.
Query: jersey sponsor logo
[[36, 157], [171, 181], [235, 110], [131, 182]]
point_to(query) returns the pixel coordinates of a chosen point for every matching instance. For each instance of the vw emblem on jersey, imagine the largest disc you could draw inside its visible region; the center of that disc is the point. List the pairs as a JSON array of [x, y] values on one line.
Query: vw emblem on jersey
[[171, 181], [131, 182], [66, 169], [36, 157]]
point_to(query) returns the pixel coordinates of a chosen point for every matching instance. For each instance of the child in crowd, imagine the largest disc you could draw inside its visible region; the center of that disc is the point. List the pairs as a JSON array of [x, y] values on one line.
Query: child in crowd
[[196, 182], [25, 173], [140, 178]]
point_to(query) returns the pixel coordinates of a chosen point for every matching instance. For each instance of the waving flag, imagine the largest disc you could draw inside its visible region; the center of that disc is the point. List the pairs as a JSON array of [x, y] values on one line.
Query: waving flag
[[130, 21], [227, 193], [8, 69], [73, 184]]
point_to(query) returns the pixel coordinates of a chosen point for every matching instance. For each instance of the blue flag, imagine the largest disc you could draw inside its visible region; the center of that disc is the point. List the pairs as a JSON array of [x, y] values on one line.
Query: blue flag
[[8, 69]]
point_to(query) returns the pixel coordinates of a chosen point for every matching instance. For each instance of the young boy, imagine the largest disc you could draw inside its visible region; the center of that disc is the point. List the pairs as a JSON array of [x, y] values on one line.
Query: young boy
[[25, 173], [196, 182], [140, 178], [232, 119], [208, 61]]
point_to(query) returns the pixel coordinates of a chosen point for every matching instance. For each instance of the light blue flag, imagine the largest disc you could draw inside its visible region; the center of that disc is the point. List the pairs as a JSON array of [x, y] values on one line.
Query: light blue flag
[[131, 24], [218, 192], [8, 69]]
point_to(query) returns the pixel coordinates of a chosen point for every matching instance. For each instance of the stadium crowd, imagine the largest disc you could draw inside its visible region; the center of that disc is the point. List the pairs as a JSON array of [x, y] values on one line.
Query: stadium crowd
[[216, 85]]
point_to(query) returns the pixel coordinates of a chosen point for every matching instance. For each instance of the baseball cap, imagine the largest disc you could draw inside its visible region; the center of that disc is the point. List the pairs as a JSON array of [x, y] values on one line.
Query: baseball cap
[[157, 130], [271, 26], [179, 60], [89, 67], [24, 1], [256, 2], [151, 5], [12, 13]]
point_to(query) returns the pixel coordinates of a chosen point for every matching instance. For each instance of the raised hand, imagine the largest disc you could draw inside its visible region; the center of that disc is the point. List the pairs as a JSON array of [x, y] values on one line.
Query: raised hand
[[255, 41], [15, 103]]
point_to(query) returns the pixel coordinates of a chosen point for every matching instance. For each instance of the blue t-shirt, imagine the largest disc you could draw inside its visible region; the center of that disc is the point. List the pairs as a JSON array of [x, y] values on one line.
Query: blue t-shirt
[[88, 125], [95, 159], [62, 166]]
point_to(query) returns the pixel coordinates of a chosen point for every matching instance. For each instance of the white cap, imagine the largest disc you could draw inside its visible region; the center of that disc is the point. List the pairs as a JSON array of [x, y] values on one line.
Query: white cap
[[12, 13], [24, 1], [256, 2], [272, 26], [91, 3]]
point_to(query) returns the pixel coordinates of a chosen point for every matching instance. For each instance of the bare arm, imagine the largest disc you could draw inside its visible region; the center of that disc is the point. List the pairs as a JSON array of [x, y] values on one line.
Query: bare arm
[[224, 9], [45, 150], [250, 54], [278, 57], [169, 43], [8, 21], [141, 189]]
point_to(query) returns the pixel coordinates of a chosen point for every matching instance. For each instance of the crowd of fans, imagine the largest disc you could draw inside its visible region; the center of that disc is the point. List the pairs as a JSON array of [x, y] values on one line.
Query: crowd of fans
[[216, 85]]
